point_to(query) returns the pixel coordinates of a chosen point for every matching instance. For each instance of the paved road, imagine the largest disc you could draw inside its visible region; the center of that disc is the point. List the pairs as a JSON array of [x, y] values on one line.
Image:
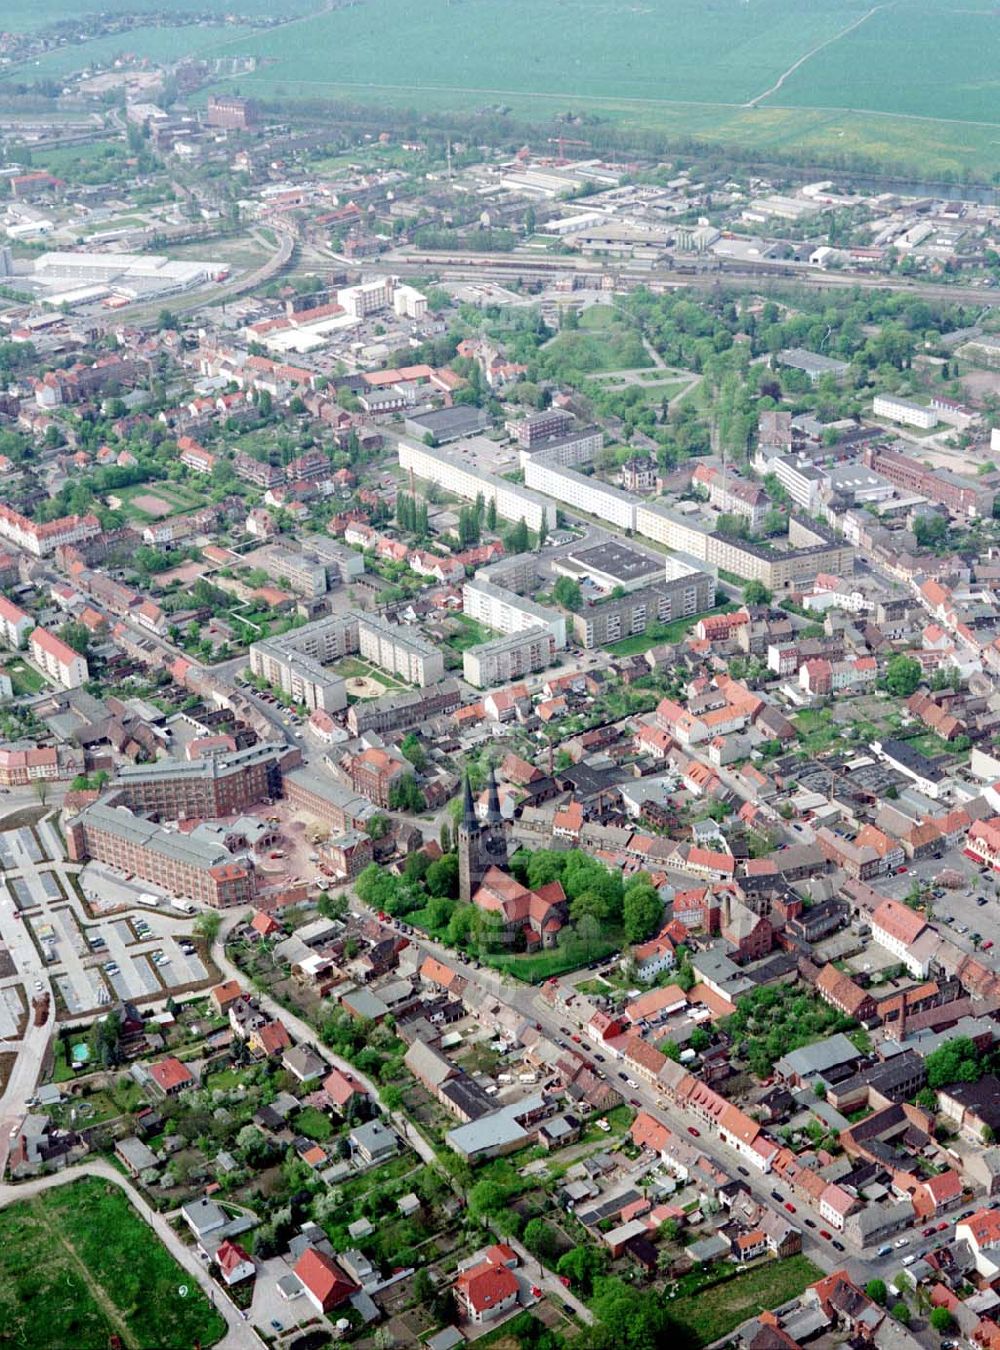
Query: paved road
[[239, 1335]]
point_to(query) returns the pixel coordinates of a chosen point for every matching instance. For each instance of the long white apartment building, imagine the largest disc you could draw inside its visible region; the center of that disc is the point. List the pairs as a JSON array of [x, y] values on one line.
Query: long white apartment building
[[445, 468], [585, 494], [508, 612], [903, 410], [399, 650], [508, 658]]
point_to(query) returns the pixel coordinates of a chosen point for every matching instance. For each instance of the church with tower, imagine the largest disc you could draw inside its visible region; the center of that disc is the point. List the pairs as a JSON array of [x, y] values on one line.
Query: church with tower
[[482, 844], [533, 918]]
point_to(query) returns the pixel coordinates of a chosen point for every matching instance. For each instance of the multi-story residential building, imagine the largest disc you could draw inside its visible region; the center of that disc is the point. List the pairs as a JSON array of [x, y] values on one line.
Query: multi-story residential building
[[508, 658], [19, 767], [294, 661], [512, 501], [195, 456], [399, 650], [567, 448], [15, 624], [59, 661], [800, 479], [259, 472], [614, 619], [638, 474], [507, 612], [961, 495], [983, 842], [578, 491], [401, 710], [179, 864], [899, 931], [903, 410], [216, 785], [370, 297], [732, 495], [374, 772], [307, 576], [535, 427], [41, 540]]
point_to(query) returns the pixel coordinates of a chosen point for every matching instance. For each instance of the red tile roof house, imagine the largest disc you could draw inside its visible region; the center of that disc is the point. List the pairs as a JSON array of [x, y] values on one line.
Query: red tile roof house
[[234, 1263], [490, 1288], [323, 1282], [341, 1088], [170, 1076]]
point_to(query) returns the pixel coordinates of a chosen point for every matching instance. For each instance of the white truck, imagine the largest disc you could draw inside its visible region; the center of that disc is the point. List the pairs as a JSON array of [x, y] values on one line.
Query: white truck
[[185, 906], [147, 898]]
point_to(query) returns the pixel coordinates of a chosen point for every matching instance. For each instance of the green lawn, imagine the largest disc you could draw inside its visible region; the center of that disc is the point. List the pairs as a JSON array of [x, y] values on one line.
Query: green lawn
[[314, 1124], [714, 1310], [24, 678], [540, 966], [663, 632], [78, 1266], [470, 633]]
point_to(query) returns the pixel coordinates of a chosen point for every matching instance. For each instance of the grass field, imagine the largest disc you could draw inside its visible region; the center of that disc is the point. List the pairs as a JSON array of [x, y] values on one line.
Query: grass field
[[714, 1310], [79, 1266], [662, 632]]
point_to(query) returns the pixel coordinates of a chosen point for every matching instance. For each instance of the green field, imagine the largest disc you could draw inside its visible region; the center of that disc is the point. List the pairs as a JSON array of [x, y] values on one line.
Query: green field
[[78, 1266], [711, 1311]]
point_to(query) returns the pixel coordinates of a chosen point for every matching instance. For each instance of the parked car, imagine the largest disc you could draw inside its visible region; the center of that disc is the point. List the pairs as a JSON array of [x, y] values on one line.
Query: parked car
[[691, 1130]]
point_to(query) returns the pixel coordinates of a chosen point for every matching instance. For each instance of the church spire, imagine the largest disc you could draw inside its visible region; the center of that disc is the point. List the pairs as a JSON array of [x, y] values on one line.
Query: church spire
[[468, 808], [493, 816]]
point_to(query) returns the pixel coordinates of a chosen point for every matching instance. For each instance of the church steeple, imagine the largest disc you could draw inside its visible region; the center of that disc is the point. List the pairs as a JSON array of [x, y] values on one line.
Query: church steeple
[[468, 807], [493, 816]]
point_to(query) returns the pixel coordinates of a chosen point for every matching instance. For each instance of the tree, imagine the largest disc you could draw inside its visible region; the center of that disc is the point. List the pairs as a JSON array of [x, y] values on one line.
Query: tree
[[957, 1061], [941, 1320], [404, 795], [378, 826], [566, 592], [699, 1040], [930, 530], [756, 593], [442, 877], [642, 910], [414, 751], [77, 636], [902, 675], [582, 1266], [518, 539], [491, 514], [876, 1291], [901, 1313], [444, 838], [207, 925], [539, 1239], [104, 1041]]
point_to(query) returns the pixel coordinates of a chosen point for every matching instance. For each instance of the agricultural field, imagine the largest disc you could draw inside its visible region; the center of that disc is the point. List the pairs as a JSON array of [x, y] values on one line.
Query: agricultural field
[[78, 1266]]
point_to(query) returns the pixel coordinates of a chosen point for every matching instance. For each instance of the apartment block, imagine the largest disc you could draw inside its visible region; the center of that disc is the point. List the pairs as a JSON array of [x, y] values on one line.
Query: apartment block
[[534, 427], [566, 449], [612, 620], [60, 662], [508, 658], [399, 650], [903, 410], [576, 490], [294, 662], [508, 612], [513, 502], [41, 540], [190, 868], [15, 624], [399, 711]]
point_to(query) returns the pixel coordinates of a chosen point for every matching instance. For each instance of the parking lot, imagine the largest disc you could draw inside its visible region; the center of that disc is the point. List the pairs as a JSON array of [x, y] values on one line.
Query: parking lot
[[129, 951]]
